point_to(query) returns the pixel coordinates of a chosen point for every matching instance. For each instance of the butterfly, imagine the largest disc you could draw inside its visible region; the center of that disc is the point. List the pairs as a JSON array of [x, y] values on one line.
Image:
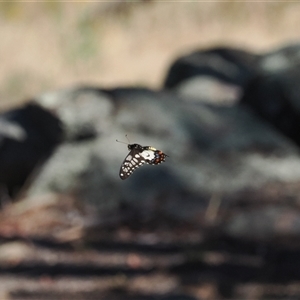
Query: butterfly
[[138, 156]]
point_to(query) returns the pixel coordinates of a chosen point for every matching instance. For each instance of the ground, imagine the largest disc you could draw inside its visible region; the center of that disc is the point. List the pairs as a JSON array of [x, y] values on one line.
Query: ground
[[158, 258]]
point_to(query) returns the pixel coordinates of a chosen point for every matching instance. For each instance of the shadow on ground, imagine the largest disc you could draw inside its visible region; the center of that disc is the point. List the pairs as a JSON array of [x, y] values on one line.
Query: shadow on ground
[[142, 261]]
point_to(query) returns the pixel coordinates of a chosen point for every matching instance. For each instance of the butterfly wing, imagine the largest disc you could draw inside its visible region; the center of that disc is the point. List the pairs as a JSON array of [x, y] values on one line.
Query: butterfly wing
[[156, 157], [138, 157], [132, 161]]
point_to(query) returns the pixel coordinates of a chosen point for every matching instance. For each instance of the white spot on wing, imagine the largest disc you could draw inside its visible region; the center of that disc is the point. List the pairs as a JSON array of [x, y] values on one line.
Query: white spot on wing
[[147, 154]]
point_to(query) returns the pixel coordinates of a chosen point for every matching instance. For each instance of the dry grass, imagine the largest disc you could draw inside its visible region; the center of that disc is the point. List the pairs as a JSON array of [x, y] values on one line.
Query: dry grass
[[51, 45]]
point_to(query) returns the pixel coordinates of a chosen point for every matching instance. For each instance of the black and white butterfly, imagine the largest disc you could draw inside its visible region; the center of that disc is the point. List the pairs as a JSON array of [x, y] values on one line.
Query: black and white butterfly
[[138, 156]]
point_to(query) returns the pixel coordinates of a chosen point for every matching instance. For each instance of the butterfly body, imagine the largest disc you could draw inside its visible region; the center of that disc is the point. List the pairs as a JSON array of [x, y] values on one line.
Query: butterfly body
[[138, 156]]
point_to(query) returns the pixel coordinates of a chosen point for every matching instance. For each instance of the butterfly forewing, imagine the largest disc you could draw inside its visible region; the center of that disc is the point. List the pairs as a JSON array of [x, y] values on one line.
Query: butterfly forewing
[[138, 156], [131, 162]]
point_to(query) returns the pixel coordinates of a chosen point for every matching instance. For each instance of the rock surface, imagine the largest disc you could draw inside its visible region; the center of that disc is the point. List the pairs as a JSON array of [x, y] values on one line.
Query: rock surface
[[212, 150]]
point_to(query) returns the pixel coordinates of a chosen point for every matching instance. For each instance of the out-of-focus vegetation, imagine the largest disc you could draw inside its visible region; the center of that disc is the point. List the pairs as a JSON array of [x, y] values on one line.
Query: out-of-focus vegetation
[[50, 45]]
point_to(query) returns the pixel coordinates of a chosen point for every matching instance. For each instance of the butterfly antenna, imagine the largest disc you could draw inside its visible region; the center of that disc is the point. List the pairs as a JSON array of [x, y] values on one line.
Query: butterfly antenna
[[121, 142], [124, 142]]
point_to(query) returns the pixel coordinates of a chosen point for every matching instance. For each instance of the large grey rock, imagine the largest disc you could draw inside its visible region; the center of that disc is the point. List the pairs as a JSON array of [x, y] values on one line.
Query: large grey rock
[[212, 150]]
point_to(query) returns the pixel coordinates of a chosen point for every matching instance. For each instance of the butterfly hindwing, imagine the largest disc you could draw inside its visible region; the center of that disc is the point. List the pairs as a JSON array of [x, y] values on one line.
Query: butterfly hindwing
[[155, 157], [138, 156]]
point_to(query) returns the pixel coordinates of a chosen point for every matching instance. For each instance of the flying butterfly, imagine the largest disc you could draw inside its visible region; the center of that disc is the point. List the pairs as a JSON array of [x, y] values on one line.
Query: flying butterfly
[[138, 156]]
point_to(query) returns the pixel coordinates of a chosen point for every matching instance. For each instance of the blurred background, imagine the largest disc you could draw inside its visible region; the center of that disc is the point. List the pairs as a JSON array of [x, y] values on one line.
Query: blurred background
[[220, 220], [50, 45]]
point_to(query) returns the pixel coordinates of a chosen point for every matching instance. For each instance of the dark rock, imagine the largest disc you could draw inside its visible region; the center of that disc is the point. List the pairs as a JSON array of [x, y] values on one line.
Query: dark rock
[[226, 70], [230, 65], [28, 136], [274, 94]]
